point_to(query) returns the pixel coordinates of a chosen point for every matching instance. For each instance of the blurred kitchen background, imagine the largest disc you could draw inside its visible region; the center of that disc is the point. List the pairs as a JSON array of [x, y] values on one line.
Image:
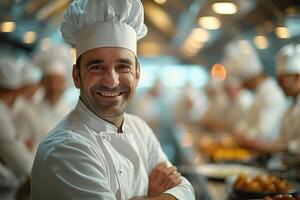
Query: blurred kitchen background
[[182, 54]]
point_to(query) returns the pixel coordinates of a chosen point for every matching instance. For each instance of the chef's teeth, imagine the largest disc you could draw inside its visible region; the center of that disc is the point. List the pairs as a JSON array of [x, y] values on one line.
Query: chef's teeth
[[110, 94]]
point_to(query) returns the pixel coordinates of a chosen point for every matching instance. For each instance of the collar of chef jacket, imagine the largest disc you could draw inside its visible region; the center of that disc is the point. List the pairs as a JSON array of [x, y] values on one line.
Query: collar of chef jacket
[[96, 123]]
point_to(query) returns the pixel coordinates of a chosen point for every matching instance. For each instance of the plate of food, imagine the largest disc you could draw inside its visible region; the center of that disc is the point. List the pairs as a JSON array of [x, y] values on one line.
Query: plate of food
[[259, 186], [231, 155], [221, 171]]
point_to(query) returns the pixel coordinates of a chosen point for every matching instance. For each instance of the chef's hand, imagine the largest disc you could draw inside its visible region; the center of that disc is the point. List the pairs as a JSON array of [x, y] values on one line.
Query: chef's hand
[[163, 178]]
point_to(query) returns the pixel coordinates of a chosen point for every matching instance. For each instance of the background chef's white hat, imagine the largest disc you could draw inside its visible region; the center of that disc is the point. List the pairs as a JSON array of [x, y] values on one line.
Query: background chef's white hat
[[31, 74], [288, 60], [55, 60], [245, 59], [10, 73], [90, 24]]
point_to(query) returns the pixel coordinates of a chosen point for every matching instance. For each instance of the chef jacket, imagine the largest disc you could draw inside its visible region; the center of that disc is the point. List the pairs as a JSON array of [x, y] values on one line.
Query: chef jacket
[[263, 119], [26, 121], [290, 129], [85, 158], [49, 116], [13, 152]]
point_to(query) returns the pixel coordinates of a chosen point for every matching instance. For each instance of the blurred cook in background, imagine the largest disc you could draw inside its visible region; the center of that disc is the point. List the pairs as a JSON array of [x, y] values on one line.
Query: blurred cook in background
[[212, 117], [288, 76], [55, 64], [262, 123], [190, 105], [24, 115], [15, 159], [238, 102]]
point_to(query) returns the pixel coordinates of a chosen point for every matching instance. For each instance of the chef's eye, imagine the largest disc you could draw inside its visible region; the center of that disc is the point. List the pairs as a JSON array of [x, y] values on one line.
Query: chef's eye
[[124, 68], [95, 67]]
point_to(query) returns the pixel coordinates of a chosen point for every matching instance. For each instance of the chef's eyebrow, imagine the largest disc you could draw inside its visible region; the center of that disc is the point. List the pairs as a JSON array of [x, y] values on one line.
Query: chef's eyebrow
[[96, 61], [99, 61], [125, 61]]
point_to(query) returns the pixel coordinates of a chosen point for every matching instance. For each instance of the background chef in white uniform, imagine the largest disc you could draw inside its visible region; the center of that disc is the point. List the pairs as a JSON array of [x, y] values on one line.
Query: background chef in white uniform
[[24, 115], [55, 64], [98, 151], [212, 117], [237, 103], [288, 76], [14, 156], [262, 122]]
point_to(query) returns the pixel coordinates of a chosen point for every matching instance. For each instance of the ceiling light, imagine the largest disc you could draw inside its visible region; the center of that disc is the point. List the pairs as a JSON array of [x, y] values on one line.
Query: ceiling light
[[282, 32], [160, 1], [200, 35], [29, 37], [225, 8], [159, 18], [209, 22], [261, 42], [73, 55], [149, 49], [7, 27]]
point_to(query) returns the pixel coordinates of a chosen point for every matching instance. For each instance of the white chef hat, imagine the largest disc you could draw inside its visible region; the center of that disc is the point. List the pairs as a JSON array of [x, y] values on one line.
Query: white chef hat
[[10, 73], [55, 60], [245, 59], [90, 24], [31, 74], [288, 60]]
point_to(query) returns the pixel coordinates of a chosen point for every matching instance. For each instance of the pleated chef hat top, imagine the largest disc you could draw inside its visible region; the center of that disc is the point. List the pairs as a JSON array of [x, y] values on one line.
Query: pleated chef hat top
[[89, 24], [288, 60], [245, 58], [10, 73]]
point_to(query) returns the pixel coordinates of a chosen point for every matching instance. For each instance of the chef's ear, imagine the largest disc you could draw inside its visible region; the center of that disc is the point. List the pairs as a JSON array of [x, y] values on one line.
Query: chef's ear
[[76, 76]]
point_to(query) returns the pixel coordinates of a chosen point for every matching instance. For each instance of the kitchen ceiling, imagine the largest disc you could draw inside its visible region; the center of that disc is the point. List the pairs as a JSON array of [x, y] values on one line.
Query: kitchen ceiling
[[170, 24]]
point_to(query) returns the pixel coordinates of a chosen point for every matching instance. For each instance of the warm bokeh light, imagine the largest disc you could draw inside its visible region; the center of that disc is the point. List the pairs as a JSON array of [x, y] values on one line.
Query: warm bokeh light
[[7, 27], [159, 18], [160, 1], [225, 8], [45, 43], [200, 35], [282, 32], [149, 49], [209, 22], [261, 42], [244, 46], [29, 37], [218, 72], [73, 55]]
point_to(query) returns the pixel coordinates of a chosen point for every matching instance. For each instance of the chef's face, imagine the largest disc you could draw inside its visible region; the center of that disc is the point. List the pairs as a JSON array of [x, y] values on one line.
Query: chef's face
[[107, 78], [55, 85], [289, 84]]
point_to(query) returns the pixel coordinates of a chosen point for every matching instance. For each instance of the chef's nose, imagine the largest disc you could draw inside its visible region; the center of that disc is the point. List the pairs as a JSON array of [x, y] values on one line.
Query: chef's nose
[[111, 79]]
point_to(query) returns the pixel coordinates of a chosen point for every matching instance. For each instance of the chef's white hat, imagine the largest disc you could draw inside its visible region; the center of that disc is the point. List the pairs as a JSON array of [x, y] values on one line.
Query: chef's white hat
[[90, 24], [10, 73], [55, 60], [288, 60], [31, 74], [245, 59]]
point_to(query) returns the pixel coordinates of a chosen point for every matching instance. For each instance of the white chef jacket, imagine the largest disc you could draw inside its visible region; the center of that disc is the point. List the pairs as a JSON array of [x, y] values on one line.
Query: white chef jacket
[[235, 109], [85, 158], [12, 151], [26, 121], [263, 119], [49, 116], [290, 129]]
